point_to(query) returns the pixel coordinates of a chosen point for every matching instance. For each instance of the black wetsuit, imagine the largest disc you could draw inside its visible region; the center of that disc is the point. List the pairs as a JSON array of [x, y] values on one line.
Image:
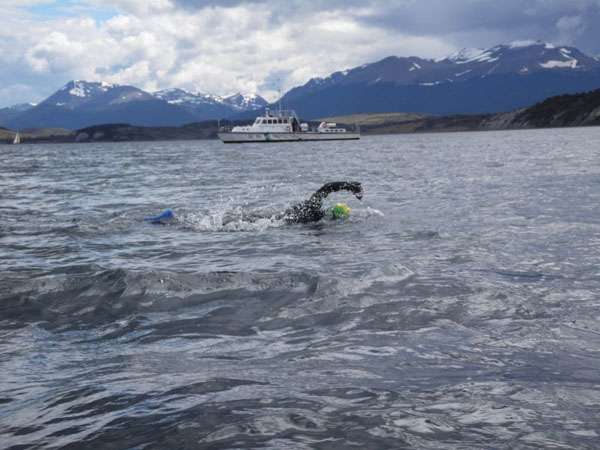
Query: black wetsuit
[[310, 210]]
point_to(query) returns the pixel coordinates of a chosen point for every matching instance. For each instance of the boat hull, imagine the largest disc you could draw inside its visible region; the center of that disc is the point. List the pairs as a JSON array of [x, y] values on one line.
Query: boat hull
[[245, 137]]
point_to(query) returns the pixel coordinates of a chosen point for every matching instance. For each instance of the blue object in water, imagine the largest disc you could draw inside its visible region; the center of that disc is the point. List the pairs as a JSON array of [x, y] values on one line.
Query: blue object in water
[[163, 217]]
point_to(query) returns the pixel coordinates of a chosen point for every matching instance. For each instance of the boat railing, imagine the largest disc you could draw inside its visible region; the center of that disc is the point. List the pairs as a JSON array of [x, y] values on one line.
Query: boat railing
[[281, 113]]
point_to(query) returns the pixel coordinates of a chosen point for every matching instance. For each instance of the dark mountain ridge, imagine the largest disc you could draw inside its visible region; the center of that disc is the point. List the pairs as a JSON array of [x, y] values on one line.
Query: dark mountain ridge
[[472, 81], [79, 104]]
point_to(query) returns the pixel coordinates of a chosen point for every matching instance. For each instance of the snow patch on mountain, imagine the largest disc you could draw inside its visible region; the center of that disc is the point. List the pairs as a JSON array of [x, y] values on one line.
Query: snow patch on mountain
[[236, 102], [460, 74], [83, 89], [177, 96], [569, 64], [522, 44], [464, 55], [471, 55], [79, 91], [248, 102]]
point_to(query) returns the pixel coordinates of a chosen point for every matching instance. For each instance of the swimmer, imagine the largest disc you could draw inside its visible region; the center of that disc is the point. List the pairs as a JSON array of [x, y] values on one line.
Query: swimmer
[[311, 210]]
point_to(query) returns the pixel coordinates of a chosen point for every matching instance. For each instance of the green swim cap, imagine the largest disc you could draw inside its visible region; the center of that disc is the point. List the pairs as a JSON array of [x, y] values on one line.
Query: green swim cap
[[340, 211]]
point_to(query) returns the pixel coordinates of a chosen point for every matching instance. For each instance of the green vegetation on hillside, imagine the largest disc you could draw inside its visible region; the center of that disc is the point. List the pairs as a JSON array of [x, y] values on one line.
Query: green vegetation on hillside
[[563, 111]]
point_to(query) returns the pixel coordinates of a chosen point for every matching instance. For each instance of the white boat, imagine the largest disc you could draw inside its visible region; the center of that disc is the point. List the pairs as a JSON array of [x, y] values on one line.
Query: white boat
[[17, 139], [284, 126]]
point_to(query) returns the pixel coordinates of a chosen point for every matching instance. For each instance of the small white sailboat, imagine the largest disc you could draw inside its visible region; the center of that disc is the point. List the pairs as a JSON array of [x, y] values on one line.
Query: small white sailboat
[[17, 139]]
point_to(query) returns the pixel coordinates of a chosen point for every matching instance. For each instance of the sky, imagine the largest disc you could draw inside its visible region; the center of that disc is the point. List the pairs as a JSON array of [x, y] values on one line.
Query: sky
[[256, 46]]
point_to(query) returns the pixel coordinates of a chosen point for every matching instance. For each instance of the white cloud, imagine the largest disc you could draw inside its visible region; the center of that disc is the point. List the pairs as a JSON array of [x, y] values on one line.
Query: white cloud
[[570, 27], [212, 49], [227, 46]]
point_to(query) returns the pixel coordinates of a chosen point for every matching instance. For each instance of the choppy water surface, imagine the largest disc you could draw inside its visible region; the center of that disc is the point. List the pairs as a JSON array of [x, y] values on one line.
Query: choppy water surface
[[458, 308]]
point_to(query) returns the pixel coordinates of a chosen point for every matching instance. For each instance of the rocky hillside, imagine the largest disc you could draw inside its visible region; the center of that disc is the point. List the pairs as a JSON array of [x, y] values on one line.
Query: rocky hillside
[[561, 111]]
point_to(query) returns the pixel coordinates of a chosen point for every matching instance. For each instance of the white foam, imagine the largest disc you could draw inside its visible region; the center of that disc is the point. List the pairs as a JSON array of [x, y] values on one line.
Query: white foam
[[422, 425]]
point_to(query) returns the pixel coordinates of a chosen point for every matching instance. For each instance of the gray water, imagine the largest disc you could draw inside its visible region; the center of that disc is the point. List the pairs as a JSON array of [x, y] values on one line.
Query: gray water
[[457, 308]]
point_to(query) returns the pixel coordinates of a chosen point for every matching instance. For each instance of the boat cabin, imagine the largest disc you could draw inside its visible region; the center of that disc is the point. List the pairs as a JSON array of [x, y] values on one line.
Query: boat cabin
[[274, 122]]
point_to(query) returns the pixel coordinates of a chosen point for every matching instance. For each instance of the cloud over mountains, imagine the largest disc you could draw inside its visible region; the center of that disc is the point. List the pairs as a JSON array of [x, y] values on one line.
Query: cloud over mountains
[[256, 46]]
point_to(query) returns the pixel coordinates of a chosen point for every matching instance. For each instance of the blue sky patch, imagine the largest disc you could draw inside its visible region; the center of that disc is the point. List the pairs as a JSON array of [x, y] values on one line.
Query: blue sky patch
[[55, 9]]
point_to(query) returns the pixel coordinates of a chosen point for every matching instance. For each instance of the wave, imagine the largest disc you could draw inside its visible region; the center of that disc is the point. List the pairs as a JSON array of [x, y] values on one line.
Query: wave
[[89, 295], [229, 220]]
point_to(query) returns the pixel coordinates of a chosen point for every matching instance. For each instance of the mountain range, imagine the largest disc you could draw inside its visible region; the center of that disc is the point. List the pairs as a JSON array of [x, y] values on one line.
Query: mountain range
[[80, 104], [472, 81], [576, 110]]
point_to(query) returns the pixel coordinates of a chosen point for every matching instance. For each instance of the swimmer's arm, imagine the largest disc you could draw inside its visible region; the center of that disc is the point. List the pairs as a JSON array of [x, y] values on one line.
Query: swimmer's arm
[[352, 186]]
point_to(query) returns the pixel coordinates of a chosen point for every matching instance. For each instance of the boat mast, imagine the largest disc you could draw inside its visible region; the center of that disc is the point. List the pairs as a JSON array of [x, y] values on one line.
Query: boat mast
[[279, 91]]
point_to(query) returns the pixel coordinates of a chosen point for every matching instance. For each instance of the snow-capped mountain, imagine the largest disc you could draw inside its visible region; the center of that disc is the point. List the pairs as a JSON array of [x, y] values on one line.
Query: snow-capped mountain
[[522, 57], [500, 78], [10, 112], [83, 103], [20, 107], [208, 106], [78, 93], [470, 81], [249, 102], [177, 96]]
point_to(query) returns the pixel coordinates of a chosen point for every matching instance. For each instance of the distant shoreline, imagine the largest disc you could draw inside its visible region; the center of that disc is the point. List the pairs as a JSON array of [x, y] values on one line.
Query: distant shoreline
[[149, 134], [565, 111]]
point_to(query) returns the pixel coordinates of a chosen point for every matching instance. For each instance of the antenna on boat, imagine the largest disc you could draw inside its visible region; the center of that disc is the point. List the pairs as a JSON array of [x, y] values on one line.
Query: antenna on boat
[[279, 92]]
